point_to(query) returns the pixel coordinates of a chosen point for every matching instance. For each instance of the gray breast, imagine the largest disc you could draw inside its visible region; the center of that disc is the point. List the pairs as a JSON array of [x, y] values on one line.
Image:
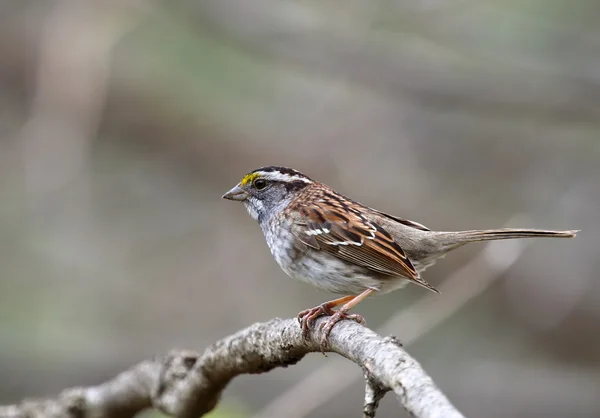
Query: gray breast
[[318, 268]]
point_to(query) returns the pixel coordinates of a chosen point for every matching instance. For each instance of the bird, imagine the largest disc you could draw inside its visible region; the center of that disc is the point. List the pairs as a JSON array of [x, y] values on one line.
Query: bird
[[339, 245]]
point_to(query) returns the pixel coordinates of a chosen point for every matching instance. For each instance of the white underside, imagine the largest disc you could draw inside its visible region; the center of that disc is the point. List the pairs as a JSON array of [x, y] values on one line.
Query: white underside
[[321, 269]]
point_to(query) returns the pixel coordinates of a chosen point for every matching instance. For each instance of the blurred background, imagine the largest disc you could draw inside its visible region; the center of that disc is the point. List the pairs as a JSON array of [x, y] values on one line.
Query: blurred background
[[123, 122]]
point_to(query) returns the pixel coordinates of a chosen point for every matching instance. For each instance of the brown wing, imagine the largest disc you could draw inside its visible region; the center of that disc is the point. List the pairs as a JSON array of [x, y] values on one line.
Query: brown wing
[[331, 223], [406, 222]]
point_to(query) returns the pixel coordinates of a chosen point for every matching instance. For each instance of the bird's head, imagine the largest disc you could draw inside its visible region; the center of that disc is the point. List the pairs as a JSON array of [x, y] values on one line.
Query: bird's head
[[267, 190]]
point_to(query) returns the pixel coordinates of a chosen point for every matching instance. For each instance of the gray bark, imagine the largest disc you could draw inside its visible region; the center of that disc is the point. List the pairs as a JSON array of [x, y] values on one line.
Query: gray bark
[[189, 384]]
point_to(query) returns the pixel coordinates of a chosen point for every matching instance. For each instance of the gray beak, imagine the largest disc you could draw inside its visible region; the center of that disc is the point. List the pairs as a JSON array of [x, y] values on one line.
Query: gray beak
[[236, 194]]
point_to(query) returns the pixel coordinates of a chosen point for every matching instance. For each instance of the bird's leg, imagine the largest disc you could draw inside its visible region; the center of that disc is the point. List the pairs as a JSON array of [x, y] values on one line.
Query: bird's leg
[[308, 316], [341, 314]]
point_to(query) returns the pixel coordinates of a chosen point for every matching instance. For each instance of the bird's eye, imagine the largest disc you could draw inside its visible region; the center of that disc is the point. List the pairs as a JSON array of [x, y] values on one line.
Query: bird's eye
[[260, 184]]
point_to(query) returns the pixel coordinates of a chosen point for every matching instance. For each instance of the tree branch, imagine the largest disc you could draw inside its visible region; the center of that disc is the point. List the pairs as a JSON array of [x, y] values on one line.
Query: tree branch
[[188, 384], [466, 283]]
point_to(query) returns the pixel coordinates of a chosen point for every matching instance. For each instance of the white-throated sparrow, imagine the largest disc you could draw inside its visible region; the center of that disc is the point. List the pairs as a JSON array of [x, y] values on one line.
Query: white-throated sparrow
[[334, 243]]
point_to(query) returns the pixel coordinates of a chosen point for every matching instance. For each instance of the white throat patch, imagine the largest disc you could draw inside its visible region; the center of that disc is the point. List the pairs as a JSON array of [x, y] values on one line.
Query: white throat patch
[[254, 207]]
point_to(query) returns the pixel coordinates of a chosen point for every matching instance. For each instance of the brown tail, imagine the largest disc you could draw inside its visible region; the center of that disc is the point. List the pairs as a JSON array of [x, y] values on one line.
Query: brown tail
[[456, 239]]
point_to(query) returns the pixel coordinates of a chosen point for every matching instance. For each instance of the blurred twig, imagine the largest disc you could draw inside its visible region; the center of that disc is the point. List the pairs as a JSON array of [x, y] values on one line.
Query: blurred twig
[[188, 384], [70, 89], [466, 283], [67, 107]]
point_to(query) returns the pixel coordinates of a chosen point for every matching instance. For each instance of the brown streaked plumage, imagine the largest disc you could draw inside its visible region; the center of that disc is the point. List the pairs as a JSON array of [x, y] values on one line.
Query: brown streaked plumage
[[340, 226], [337, 244]]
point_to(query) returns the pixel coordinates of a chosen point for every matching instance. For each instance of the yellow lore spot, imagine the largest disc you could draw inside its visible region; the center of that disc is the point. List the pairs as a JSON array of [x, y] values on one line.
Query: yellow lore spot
[[249, 178]]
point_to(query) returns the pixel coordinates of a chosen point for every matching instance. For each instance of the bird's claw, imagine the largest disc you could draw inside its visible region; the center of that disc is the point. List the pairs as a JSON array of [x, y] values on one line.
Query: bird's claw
[[338, 316], [307, 317]]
